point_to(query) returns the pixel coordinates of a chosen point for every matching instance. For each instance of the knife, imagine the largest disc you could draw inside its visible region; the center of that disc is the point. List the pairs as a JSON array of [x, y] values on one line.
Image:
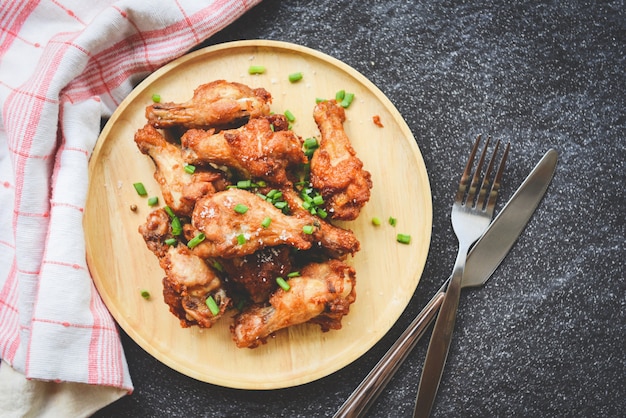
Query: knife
[[483, 259]]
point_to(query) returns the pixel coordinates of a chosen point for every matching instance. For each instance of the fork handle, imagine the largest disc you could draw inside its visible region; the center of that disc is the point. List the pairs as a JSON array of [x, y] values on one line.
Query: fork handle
[[366, 393], [440, 341]]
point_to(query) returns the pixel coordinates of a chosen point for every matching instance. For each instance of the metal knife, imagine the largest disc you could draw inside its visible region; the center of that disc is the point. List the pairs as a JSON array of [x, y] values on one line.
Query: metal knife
[[482, 261]]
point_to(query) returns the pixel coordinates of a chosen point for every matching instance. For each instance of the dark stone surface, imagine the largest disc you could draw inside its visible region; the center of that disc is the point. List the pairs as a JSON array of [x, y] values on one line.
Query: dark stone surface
[[547, 335]]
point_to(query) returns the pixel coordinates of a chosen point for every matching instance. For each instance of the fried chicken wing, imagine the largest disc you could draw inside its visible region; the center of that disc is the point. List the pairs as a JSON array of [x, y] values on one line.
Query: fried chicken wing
[[180, 189], [217, 104], [255, 150], [336, 171], [189, 280], [324, 291], [229, 233]]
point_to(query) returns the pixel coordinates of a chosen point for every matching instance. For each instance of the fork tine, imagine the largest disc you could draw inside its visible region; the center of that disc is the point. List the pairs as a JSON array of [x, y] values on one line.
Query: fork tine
[[471, 194], [495, 187], [482, 195], [465, 178]]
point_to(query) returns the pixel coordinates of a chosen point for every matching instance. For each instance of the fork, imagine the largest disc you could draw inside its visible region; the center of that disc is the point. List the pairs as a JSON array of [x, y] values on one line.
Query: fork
[[472, 211]]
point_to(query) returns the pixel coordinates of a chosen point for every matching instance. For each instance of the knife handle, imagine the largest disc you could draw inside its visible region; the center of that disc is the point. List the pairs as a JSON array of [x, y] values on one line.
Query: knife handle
[[366, 393], [439, 344]]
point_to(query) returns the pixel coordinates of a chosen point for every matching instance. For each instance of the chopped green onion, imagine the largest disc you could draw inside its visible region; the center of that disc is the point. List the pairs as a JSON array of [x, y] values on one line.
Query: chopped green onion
[[196, 240], [171, 241], [293, 274], [322, 213], [261, 183], [140, 189], [266, 222], [294, 77], [308, 229], [177, 227], [156, 98], [318, 200], [256, 69], [212, 305], [347, 100], [280, 205], [218, 266], [241, 208], [311, 143], [403, 238], [283, 284], [340, 95], [319, 100], [169, 211], [376, 221], [272, 127], [392, 221], [244, 184], [290, 117], [241, 239], [145, 294], [190, 169], [154, 200]]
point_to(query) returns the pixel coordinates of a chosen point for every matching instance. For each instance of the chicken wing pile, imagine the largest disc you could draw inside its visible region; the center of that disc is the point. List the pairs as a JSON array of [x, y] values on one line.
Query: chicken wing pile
[[250, 204]]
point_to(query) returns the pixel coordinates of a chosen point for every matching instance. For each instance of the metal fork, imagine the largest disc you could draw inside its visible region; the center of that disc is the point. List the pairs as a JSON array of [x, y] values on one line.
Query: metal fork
[[471, 214]]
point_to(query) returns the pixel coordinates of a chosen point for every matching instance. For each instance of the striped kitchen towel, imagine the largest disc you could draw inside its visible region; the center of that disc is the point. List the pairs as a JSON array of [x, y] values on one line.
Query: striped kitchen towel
[[65, 65]]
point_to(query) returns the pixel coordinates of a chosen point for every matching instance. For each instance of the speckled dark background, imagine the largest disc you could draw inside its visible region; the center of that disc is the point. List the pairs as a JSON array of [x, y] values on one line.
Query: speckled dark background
[[547, 335]]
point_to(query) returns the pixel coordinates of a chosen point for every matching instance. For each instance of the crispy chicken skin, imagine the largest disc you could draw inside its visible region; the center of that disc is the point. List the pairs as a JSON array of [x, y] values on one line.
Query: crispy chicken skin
[[216, 104], [255, 150], [336, 171], [180, 189], [189, 280], [324, 290], [216, 217]]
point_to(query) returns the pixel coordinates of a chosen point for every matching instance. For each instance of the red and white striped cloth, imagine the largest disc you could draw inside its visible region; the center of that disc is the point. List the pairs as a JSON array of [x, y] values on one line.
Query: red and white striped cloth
[[64, 65]]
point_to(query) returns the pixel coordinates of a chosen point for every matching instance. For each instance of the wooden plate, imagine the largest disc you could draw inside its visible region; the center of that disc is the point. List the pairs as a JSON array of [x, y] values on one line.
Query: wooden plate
[[387, 272]]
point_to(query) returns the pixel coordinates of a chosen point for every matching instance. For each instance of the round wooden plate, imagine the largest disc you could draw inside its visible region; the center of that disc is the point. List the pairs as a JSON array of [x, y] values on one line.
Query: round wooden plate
[[387, 272]]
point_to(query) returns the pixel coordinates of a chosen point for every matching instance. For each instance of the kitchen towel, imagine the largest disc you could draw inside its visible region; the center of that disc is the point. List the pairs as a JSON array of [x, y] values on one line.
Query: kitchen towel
[[65, 65]]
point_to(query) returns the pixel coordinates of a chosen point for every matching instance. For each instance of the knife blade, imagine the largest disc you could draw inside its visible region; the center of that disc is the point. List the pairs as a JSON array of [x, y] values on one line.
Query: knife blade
[[483, 259]]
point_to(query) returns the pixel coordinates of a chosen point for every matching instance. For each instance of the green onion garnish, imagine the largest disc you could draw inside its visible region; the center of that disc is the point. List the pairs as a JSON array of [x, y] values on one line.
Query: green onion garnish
[[340, 95], [280, 205], [311, 143], [154, 200], [347, 100], [266, 222], [212, 305], [196, 240], [177, 227], [241, 239], [218, 266], [241, 208], [244, 184], [256, 69], [171, 241], [376, 221], [145, 294], [156, 98], [190, 169], [308, 229], [294, 77], [283, 284], [290, 117], [169, 211], [293, 274], [403, 238], [392, 221], [140, 189]]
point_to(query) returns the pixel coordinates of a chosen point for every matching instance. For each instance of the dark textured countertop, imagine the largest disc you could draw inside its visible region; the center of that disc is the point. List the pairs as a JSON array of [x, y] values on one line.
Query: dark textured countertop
[[547, 335]]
